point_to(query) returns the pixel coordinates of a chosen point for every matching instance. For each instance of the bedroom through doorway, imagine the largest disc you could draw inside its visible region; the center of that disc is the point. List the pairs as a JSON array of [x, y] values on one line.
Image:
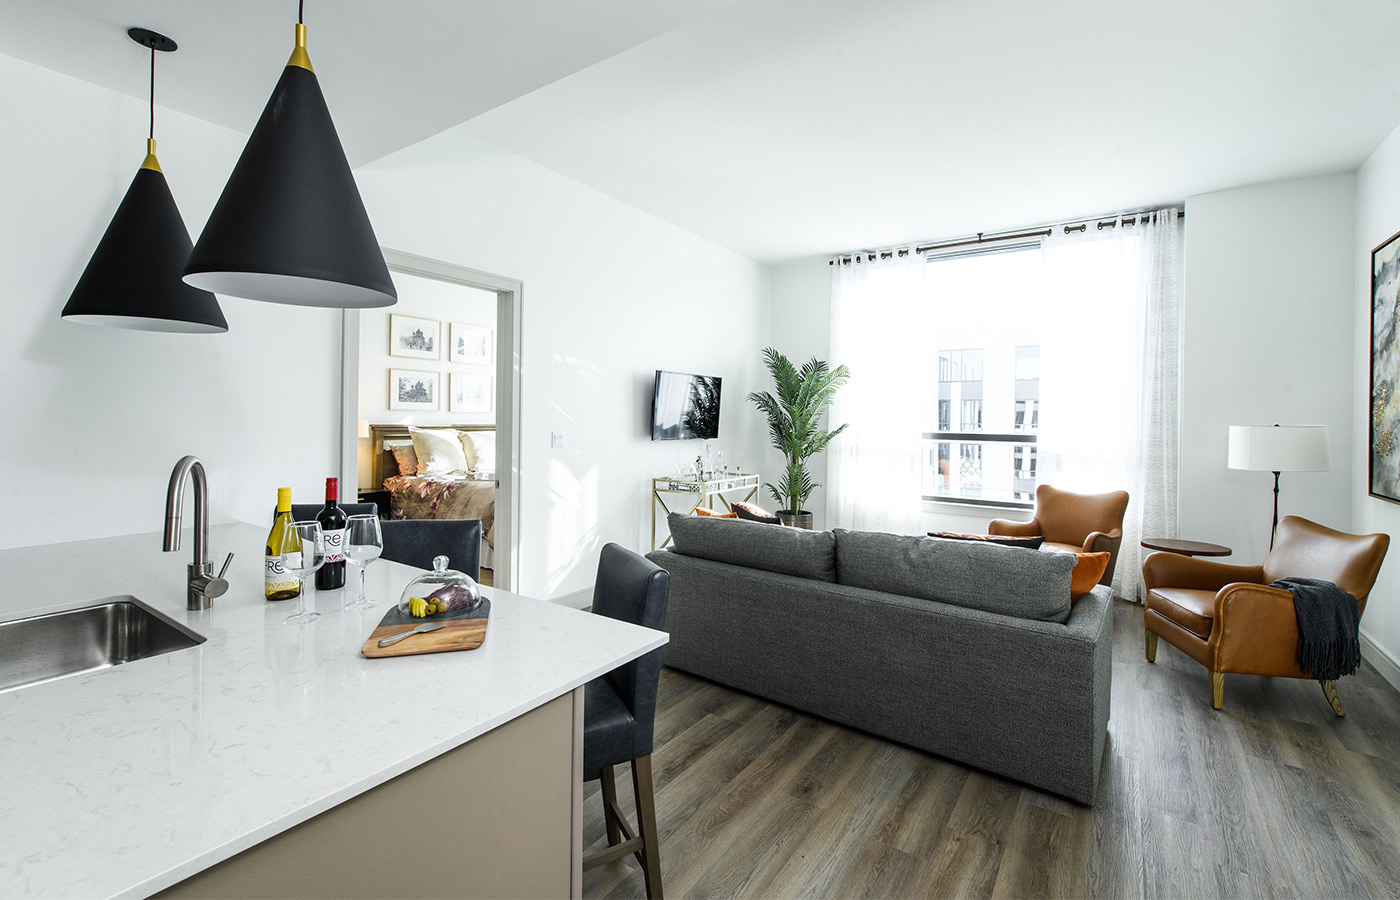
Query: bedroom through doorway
[[430, 403]]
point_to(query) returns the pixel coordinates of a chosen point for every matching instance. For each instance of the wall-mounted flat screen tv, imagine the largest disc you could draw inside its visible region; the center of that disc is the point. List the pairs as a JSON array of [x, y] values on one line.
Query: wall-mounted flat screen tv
[[684, 407]]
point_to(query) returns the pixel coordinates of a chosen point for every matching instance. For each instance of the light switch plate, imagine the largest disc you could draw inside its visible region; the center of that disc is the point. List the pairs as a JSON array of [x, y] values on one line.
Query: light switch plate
[[556, 440]]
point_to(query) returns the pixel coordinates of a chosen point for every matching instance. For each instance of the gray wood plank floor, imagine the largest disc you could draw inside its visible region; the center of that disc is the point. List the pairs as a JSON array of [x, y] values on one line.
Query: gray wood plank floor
[[1272, 796]]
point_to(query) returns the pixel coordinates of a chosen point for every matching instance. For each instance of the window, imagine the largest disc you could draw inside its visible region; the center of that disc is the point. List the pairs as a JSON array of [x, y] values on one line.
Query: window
[[989, 373]]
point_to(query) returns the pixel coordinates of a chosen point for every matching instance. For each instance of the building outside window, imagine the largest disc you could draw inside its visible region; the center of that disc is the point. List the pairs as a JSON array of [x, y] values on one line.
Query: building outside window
[[986, 305]]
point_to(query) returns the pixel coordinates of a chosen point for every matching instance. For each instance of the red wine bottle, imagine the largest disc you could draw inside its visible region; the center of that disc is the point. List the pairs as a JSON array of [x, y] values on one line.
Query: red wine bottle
[[333, 525]]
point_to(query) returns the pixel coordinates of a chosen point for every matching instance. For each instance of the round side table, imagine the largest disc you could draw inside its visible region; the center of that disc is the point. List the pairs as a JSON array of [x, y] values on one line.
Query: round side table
[[1185, 548]]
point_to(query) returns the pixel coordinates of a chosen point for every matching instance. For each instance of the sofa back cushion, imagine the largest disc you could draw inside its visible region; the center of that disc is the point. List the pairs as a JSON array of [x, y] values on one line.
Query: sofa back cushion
[[1026, 584], [773, 548]]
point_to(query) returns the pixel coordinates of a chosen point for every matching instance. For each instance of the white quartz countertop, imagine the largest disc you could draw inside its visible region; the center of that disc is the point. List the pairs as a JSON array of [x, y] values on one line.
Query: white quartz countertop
[[126, 780]]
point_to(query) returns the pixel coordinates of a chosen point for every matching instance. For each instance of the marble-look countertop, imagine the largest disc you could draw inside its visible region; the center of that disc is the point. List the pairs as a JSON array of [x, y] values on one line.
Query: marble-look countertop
[[123, 781]]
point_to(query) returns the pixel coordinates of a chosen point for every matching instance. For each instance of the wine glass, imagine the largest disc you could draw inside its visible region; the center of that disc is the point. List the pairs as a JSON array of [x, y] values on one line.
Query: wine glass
[[364, 541], [303, 552]]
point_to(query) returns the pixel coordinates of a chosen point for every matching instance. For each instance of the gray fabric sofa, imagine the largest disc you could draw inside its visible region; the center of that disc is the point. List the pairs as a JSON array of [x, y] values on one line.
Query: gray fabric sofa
[[961, 649]]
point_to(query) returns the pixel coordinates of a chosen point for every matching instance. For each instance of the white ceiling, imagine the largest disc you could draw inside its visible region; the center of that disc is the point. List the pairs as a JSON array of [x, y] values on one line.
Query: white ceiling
[[791, 128], [786, 128], [393, 72]]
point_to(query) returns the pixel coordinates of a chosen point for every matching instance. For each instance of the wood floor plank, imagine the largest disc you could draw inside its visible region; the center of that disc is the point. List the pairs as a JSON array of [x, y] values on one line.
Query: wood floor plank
[[1273, 796]]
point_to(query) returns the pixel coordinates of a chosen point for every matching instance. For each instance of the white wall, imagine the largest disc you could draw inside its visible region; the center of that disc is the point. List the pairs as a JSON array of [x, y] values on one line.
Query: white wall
[[1377, 218], [93, 419], [1268, 336], [610, 295]]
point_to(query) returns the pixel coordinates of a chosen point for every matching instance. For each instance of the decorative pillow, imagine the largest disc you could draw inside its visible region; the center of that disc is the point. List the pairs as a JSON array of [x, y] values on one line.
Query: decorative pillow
[[405, 458], [706, 511], [1088, 569], [439, 451], [480, 447], [754, 513], [1029, 543]]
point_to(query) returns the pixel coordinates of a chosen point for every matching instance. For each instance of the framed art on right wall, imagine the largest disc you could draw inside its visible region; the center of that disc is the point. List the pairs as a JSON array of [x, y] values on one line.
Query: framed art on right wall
[[1385, 370]]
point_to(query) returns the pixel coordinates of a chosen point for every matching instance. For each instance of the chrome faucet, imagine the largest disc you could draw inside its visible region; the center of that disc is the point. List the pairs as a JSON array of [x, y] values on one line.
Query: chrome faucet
[[203, 587]]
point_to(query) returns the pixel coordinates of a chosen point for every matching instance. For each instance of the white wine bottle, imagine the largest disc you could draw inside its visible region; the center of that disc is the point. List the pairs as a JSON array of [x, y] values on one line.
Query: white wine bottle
[[279, 584]]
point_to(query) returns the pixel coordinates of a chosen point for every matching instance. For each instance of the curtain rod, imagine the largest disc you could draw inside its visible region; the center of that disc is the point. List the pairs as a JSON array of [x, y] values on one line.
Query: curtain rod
[[981, 238]]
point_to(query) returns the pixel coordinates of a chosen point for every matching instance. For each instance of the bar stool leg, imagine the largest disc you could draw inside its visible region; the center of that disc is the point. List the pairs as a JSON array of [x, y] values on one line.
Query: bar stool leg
[[646, 824], [609, 779]]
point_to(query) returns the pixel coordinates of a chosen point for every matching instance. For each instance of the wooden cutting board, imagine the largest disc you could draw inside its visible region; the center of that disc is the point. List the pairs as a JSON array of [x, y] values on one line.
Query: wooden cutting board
[[460, 631]]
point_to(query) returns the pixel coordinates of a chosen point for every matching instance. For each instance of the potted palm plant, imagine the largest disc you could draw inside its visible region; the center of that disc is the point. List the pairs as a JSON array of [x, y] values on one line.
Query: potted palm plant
[[795, 425]]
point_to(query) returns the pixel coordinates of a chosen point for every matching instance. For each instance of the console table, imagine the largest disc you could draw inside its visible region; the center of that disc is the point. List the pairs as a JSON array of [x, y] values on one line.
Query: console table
[[706, 492]]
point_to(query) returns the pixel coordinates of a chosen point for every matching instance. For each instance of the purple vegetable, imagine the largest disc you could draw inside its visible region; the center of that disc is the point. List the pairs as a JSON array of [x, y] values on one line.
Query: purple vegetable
[[456, 596]]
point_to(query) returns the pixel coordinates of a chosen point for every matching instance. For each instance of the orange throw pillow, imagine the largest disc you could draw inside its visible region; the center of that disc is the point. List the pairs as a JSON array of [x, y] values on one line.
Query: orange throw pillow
[[706, 511], [1088, 569]]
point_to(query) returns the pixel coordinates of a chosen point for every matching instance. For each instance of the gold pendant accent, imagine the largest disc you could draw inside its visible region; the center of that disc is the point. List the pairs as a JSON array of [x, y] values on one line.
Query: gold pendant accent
[[299, 57], [150, 161]]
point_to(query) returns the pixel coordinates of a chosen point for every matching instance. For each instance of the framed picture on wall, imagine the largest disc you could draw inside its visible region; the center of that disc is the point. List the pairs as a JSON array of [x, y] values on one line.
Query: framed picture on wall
[[409, 389], [414, 337], [471, 393], [1385, 371], [473, 344]]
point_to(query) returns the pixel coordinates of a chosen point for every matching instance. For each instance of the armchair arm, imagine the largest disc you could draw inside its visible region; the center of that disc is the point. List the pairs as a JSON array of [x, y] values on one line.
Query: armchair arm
[[1008, 528], [1098, 541], [1256, 631], [1175, 570]]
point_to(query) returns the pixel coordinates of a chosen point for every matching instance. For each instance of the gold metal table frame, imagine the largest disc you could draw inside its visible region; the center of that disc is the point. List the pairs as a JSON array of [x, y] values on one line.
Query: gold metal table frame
[[705, 493]]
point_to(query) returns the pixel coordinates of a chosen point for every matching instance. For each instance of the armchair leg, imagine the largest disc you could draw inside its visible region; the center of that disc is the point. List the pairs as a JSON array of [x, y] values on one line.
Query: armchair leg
[[1217, 689], [609, 779], [1329, 688], [1151, 637]]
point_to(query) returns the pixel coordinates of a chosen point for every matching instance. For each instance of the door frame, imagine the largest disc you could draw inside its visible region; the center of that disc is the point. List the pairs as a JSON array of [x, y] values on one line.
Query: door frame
[[509, 299]]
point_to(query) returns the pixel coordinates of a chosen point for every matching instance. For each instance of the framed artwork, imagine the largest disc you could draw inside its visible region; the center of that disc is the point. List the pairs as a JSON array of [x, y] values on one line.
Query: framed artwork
[[414, 337], [473, 344], [1385, 371], [471, 393], [409, 389]]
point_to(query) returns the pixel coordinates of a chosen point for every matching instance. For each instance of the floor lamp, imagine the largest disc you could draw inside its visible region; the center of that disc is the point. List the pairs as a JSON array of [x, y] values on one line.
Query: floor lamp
[[1279, 448]]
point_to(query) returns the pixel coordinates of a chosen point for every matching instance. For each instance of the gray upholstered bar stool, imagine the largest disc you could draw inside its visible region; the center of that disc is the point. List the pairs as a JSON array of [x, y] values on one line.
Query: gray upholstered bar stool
[[414, 542], [619, 710]]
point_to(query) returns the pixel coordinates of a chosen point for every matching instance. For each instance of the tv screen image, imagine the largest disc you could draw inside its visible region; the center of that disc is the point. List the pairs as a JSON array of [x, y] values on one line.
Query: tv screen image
[[685, 406]]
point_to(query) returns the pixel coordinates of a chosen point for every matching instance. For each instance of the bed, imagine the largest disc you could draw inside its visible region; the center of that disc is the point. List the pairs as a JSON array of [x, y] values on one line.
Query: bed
[[434, 496]]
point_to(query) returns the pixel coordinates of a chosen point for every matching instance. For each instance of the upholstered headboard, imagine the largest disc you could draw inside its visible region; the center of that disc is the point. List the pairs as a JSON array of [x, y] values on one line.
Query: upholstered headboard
[[382, 460]]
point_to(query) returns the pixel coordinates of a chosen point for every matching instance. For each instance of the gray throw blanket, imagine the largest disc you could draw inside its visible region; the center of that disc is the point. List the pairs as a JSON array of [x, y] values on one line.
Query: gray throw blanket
[[1329, 620]]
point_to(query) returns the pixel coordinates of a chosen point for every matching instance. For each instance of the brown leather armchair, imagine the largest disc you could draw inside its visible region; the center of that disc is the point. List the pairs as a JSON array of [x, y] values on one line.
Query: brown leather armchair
[[1083, 523], [1228, 619]]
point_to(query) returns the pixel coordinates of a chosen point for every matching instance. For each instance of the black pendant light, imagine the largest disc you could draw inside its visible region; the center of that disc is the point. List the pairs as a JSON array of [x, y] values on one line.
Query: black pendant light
[[290, 226], [133, 279]]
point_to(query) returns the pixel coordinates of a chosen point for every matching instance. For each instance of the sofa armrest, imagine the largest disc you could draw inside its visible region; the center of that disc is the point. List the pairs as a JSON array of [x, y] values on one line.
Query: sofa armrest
[[1177, 571], [1008, 528]]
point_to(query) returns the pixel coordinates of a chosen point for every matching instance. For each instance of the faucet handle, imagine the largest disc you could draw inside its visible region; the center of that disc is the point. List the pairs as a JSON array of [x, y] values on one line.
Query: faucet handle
[[228, 562]]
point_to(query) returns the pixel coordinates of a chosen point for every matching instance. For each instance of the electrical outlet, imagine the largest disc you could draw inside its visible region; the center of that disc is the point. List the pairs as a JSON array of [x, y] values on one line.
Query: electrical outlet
[[556, 440]]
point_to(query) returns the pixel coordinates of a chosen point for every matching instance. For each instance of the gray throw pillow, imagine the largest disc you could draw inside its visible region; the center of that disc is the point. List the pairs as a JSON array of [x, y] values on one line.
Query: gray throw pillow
[[1026, 584], [773, 548]]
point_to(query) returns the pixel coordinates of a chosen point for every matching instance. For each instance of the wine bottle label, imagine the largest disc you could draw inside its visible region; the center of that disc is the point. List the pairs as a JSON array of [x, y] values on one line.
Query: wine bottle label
[[335, 545], [276, 576]]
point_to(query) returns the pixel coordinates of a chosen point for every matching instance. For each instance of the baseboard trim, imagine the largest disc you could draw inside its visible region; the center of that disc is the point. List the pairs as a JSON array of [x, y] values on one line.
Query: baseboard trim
[[1378, 656], [577, 600]]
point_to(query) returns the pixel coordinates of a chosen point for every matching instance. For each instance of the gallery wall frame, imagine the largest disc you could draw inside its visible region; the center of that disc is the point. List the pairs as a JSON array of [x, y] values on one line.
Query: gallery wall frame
[[414, 338], [470, 393], [1384, 440], [471, 344], [414, 389]]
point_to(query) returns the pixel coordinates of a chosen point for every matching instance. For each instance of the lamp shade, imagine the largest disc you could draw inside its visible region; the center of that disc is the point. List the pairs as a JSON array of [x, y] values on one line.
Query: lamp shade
[[133, 279], [1280, 448], [290, 226]]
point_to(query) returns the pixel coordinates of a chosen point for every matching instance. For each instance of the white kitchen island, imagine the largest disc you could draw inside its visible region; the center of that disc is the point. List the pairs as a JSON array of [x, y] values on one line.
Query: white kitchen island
[[274, 759]]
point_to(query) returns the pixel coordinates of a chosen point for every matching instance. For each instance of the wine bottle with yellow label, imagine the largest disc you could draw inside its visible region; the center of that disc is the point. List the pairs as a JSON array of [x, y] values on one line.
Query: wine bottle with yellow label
[[279, 584]]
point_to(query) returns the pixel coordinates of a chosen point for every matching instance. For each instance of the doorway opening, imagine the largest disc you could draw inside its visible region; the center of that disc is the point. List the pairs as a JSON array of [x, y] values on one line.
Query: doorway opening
[[447, 356]]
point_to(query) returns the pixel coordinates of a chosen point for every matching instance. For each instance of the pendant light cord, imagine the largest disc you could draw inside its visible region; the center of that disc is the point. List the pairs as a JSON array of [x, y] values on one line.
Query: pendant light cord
[[153, 93], [301, 6]]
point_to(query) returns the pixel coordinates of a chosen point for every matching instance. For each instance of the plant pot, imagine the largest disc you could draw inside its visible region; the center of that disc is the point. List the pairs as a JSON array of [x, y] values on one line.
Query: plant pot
[[801, 519]]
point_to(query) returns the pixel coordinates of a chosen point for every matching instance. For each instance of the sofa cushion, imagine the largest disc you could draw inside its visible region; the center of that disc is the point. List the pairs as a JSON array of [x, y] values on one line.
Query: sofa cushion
[[1025, 543], [787, 551], [1088, 569], [1026, 584], [753, 513]]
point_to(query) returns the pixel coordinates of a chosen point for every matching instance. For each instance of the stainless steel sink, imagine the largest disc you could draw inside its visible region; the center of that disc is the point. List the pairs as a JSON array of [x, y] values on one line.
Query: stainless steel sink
[[111, 632]]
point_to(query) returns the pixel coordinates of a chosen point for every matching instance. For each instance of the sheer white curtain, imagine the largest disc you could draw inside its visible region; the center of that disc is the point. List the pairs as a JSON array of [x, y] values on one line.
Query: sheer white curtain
[[1110, 364], [880, 329]]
